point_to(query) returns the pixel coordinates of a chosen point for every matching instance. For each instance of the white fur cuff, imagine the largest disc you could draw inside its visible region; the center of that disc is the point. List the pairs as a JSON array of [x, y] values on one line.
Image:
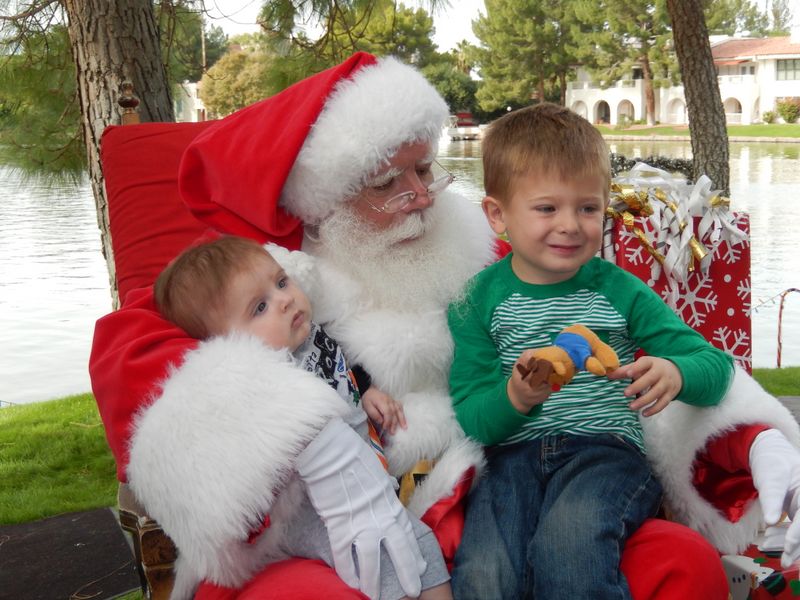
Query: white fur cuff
[[210, 455], [675, 437]]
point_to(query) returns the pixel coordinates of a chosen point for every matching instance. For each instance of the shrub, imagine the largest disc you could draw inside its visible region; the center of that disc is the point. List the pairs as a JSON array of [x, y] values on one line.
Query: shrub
[[789, 110], [623, 122], [769, 117]]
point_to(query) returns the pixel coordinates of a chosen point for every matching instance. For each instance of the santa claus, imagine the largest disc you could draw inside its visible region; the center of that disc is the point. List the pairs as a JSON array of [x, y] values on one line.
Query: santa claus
[[209, 433]]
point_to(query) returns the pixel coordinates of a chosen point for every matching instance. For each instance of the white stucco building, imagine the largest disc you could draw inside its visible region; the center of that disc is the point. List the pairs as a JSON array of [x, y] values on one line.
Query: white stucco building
[[189, 108], [753, 74]]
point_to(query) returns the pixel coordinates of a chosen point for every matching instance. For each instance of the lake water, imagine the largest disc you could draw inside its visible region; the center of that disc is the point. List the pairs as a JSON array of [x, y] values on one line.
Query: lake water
[[54, 285]]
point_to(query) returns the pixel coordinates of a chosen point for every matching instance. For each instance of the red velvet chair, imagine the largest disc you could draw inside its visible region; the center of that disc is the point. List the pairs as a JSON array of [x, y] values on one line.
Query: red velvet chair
[[149, 226]]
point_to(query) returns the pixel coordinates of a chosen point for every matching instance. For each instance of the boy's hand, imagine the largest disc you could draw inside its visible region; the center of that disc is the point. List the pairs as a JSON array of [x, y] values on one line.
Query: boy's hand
[[658, 381], [383, 410], [523, 393]]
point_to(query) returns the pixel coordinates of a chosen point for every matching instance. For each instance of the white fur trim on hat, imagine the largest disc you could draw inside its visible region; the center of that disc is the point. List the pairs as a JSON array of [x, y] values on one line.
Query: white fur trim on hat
[[365, 120]]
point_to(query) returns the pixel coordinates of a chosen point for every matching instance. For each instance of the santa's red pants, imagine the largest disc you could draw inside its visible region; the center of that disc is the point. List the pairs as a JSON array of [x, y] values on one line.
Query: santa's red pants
[[662, 561]]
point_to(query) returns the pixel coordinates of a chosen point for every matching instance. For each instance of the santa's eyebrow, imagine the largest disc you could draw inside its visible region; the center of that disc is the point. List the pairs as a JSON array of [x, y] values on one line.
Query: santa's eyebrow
[[383, 178]]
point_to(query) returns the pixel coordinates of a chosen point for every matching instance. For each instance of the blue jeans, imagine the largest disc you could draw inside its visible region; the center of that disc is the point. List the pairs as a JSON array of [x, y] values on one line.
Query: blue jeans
[[551, 517]]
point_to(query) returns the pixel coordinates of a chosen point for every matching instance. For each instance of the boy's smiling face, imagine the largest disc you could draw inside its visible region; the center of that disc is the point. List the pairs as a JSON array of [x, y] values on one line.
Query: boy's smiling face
[[554, 225]]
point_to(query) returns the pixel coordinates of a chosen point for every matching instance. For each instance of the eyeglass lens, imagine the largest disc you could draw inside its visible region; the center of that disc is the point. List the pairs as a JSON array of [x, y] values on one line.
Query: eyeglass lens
[[400, 201]]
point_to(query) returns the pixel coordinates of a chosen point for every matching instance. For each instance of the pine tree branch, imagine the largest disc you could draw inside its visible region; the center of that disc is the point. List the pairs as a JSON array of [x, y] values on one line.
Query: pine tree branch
[[33, 10]]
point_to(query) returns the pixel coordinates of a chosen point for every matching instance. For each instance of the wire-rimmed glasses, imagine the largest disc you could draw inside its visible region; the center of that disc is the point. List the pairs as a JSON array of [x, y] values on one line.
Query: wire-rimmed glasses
[[399, 201]]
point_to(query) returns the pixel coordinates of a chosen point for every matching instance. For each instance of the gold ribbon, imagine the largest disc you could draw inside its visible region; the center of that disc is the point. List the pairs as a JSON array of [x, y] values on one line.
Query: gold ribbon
[[638, 204], [676, 203], [720, 202], [410, 480], [628, 221], [699, 251]]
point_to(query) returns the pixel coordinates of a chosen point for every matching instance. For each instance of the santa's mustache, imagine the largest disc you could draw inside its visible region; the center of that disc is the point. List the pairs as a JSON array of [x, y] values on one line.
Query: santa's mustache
[[345, 230], [412, 227]]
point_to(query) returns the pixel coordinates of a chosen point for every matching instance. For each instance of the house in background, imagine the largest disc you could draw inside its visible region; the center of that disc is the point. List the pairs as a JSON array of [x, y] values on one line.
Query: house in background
[[188, 106], [754, 74]]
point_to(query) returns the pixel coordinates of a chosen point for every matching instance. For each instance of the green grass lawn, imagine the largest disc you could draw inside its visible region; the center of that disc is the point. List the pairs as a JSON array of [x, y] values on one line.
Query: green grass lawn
[[788, 130], [53, 459], [779, 382]]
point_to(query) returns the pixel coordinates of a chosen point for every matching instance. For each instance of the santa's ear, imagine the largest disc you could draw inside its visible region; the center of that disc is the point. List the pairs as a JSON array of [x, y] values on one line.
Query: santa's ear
[[494, 211]]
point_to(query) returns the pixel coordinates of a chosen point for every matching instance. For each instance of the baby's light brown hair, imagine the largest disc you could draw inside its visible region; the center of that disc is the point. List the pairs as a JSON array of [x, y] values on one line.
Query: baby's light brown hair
[[191, 291], [546, 139]]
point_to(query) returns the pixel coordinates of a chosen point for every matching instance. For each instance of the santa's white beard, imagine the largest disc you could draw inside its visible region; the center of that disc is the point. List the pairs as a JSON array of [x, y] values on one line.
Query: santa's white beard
[[414, 265]]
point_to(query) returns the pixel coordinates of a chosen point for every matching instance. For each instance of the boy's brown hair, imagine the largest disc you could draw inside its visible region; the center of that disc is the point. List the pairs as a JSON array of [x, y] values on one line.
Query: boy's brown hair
[[191, 291], [546, 139]]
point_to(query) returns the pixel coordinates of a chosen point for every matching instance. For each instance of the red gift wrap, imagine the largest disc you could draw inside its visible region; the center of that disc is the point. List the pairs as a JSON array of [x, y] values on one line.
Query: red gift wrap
[[685, 243], [715, 303], [757, 575]]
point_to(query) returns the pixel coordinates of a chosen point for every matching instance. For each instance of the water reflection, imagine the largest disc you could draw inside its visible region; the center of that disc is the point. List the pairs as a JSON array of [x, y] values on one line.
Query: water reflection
[[53, 282]]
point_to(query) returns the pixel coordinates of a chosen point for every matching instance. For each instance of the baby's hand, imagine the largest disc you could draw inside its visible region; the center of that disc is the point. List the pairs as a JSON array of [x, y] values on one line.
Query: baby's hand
[[524, 390], [658, 381], [383, 410]]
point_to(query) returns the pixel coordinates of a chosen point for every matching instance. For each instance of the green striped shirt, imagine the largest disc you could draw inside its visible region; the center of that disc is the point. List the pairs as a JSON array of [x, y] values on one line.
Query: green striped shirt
[[501, 316]]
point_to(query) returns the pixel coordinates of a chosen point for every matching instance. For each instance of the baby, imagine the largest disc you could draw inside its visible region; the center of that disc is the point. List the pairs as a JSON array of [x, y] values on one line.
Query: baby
[[234, 285]]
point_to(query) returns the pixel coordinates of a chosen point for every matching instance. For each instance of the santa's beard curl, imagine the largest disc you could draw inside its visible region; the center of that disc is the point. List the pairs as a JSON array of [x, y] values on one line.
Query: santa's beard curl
[[421, 263]]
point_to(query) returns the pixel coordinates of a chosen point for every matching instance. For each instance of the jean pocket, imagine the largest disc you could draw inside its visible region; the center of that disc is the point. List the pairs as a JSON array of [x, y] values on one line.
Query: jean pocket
[[623, 441]]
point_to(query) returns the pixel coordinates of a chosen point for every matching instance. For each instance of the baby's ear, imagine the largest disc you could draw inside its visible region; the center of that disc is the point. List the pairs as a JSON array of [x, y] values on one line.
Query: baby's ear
[[494, 211]]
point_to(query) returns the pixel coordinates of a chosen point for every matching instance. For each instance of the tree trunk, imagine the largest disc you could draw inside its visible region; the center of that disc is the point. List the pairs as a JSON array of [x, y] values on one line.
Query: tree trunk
[[649, 93], [703, 102], [113, 42]]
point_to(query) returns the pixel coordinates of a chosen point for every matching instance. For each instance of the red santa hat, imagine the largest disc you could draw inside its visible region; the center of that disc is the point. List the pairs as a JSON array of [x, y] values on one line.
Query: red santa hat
[[290, 159]]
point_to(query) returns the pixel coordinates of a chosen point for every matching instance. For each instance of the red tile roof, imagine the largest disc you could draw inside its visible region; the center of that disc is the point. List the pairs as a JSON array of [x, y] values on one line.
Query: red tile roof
[[743, 48]]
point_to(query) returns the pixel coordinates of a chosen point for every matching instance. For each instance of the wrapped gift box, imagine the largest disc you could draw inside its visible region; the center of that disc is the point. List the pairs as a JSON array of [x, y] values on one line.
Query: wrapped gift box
[[686, 244], [756, 574]]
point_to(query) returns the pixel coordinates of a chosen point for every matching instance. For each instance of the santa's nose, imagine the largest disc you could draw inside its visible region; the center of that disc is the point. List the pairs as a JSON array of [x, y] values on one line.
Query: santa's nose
[[421, 201]]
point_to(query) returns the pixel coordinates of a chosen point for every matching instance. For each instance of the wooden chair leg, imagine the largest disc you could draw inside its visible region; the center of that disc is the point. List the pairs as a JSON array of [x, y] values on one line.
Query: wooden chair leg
[[154, 551]]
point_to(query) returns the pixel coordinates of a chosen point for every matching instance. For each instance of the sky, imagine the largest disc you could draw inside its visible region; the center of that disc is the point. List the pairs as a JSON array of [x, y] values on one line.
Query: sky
[[452, 24]]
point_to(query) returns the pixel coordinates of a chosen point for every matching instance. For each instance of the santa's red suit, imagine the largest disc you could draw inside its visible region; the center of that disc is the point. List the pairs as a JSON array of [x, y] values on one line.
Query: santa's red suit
[[207, 433]]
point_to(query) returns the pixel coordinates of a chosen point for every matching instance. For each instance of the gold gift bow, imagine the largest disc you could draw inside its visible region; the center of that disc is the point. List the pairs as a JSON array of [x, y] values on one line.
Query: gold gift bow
[[638, 204], [628, 222]]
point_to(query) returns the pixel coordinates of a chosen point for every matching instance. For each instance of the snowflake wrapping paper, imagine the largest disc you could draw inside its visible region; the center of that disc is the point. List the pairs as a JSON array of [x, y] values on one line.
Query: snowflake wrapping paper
[[686, 244]]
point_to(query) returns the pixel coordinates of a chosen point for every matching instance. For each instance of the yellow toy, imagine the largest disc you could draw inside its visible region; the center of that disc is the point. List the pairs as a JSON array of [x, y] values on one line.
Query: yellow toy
[[576, 348]]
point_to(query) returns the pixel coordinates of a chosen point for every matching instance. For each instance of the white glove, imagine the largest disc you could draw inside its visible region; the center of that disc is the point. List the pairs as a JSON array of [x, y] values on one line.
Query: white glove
[[354, 496], [775, 467]]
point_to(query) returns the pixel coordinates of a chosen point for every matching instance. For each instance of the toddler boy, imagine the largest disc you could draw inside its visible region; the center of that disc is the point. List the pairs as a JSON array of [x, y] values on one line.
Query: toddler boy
[[567, 479]]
